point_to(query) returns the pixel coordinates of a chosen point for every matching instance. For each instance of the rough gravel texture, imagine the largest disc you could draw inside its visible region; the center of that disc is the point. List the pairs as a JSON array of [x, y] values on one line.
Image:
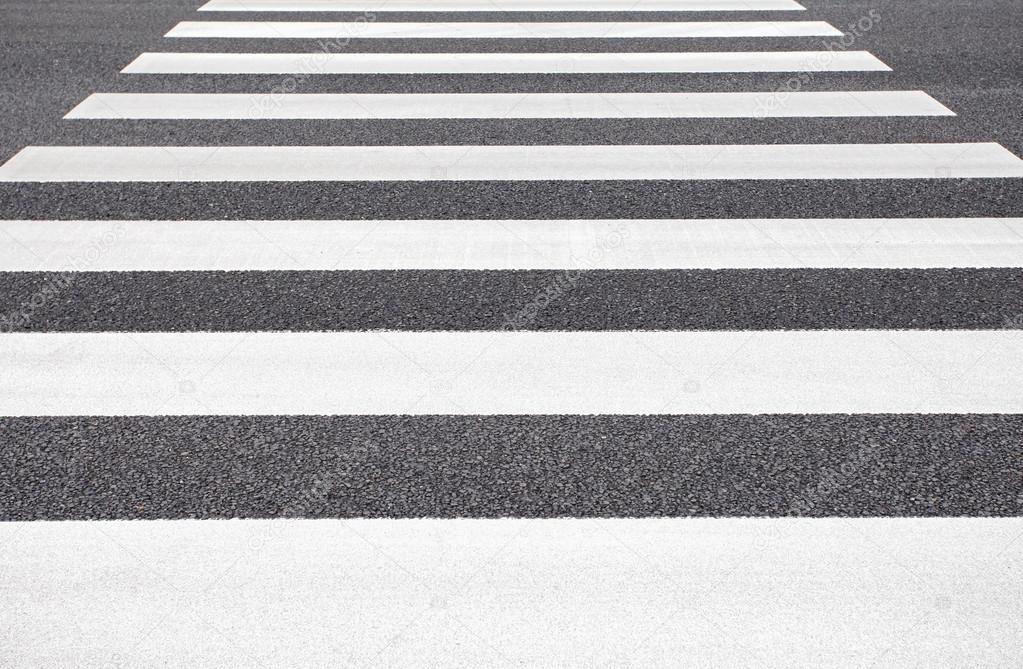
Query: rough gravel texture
[[496, 466], [966, 54], [780, 299]]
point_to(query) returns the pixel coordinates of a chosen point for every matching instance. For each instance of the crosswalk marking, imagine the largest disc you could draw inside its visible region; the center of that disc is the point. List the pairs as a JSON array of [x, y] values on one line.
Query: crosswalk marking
[[507, 105], [510, 163], [57, 246], [503, 63], [469, 373], [473, 367], [514, 592], [596, 29], [497, 5]]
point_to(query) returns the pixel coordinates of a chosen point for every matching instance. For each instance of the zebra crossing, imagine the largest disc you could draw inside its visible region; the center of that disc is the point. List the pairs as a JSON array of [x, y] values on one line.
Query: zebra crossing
[[503, 105], [502, 63], [441, 580], [555, 373], [499, 5], [510, 163], [481, 244], [278, 393], [493, 29]]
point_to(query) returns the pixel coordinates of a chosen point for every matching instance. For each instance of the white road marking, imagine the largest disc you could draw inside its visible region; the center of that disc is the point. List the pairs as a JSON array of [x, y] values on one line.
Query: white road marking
[[506, 105], [503, 63], [509, 163], [426, 29], [59, 246], [498, 5], [470, 373], [933, 592]]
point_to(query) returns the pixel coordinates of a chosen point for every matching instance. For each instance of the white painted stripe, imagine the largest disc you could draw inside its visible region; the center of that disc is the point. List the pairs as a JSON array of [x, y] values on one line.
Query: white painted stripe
[[773, 593], [514, 163], [609, 29], [497, 5], [469, 373], [59, 246], [504, 63], [507, 105]]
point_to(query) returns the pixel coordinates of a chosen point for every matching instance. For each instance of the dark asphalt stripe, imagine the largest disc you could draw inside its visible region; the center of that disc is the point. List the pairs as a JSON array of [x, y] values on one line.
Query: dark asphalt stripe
[[499, 466], [424, 132], [780, 299], [511, 199]]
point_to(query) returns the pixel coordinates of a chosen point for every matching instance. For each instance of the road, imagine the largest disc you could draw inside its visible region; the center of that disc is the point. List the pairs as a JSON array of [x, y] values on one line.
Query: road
[[511, 333]]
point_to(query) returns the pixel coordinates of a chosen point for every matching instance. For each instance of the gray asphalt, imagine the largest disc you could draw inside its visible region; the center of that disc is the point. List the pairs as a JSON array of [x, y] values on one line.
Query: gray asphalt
[[804, 299], [967, 54], [499, 466], [515, 199]]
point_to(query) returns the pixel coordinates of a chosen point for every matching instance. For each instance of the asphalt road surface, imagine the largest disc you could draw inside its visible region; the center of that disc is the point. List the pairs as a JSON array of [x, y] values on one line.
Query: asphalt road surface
[[511, 333]]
